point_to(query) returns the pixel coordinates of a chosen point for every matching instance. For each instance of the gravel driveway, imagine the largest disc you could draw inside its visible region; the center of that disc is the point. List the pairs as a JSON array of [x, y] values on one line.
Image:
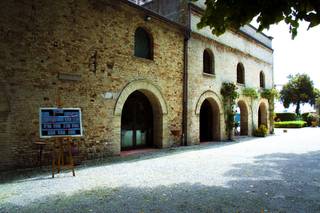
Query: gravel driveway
[[280, 173]]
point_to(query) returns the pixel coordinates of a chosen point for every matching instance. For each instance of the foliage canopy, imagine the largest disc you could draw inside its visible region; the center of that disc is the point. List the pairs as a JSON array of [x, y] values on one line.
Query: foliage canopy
[[225, 14]]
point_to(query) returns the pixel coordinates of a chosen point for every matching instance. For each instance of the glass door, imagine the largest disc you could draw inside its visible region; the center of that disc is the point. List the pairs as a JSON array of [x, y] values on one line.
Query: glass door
[[136, 122]]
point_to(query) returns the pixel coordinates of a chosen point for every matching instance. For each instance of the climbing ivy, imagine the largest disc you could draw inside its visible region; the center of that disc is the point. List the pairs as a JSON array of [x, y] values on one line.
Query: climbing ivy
[[270, 95], [229, 94], [250, 92]]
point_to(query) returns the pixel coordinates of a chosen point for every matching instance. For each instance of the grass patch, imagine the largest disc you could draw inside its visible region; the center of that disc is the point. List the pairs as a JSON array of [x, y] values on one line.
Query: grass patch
[[290, 124]]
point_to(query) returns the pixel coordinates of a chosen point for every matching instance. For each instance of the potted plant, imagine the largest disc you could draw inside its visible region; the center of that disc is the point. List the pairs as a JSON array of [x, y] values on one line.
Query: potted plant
[[262, 131]]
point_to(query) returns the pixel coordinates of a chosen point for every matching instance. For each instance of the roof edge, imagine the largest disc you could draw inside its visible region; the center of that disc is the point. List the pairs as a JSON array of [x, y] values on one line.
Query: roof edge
[[201, 11], [155, 15]]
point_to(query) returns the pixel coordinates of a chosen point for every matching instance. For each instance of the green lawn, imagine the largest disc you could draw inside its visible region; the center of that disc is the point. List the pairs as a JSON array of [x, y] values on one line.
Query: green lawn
[[290, 124]]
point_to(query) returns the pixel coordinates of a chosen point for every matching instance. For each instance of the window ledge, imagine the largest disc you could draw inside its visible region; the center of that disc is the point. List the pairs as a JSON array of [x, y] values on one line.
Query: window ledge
[[241, 85], [209, 75], [142, 59]]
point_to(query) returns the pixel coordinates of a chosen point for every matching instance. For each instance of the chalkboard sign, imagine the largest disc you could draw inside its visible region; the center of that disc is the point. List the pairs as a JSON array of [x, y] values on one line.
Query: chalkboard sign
[[60, 122]]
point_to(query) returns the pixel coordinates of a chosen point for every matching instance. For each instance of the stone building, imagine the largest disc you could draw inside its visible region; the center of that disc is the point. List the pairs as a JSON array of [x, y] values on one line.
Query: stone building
[[142, 77], [244, 57], [112, 59]]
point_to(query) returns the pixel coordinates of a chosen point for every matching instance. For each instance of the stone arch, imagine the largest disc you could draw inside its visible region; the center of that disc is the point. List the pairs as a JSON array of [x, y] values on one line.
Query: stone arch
[[150, 90], [210, 95], [158, 104], [244, 117], [263, 113], [211, 101]]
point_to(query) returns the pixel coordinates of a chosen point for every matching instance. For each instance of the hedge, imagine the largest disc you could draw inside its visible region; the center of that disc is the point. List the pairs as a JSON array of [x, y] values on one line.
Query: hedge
[[309, 117], [286, 116], [290, 124]]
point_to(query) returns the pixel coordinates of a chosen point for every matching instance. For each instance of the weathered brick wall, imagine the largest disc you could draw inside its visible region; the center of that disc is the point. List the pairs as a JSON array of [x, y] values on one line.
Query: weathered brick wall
[[94, 42], [4, 134]]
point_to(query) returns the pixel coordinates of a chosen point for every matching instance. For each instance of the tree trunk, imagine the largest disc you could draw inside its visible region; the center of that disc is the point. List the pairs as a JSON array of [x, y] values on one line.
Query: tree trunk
[[298, 108]]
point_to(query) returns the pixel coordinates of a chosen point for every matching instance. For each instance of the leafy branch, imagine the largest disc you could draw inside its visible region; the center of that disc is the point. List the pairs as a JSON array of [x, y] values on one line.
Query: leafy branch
[[220, 15]]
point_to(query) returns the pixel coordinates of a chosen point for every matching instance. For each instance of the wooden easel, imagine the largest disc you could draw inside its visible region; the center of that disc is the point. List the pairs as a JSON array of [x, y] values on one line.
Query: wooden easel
[[61, 143], [58, 155]]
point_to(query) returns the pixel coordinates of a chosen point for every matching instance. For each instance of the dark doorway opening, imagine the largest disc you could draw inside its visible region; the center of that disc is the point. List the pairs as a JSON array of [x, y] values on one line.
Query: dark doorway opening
[[137, 122], [206, 122], [259, 117], [262, 115], [209, 121], [244, 116]]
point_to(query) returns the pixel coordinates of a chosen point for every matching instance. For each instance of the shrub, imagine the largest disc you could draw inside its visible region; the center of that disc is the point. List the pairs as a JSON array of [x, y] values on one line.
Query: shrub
[[287, 116], [262, 131], [290, 124], [309, 118], [314, 123]]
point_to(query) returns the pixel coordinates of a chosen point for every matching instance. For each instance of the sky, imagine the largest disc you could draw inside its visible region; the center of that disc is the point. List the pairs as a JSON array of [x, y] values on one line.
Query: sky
[[301, 55]]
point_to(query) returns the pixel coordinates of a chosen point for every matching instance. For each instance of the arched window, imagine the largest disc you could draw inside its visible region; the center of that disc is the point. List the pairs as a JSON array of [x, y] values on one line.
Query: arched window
[[240, 73], [262, 80], [208, 62], [143, 47]]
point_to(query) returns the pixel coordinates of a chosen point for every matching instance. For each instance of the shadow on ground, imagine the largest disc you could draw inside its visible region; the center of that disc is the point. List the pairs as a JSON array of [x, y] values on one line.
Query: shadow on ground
[[22, 174], [274, 183]]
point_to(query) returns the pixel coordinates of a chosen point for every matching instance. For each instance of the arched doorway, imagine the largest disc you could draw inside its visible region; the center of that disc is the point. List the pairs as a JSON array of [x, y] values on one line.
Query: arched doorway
[[243, 110], [137, 127], [209, 121], [159, 109], [262, 115]]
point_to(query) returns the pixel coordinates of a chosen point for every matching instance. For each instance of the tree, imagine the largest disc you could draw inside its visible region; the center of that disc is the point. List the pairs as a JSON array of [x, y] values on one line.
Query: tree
[[297, 91], [220, 15], [317, 104]]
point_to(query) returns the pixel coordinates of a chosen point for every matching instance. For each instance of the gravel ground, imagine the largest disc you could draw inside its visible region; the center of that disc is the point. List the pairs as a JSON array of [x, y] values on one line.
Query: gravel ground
[[280, 173]]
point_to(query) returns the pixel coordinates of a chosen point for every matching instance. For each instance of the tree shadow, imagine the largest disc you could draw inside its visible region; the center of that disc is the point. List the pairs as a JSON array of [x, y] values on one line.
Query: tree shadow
[[272, 183], [31, 173]]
